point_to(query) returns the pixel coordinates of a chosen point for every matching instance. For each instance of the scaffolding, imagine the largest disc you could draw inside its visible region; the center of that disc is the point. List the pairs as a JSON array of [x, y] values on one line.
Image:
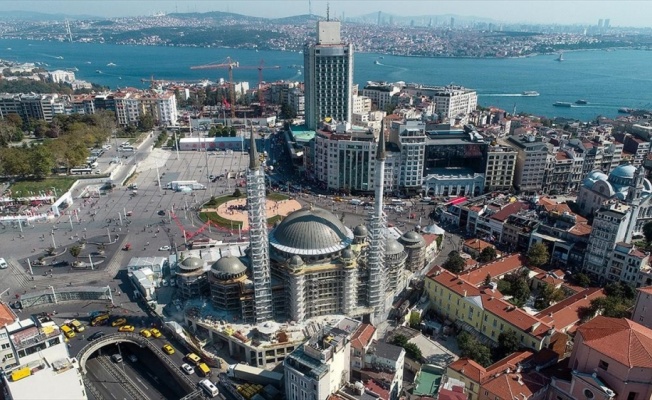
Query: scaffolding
[[377, 231], [258, 236]]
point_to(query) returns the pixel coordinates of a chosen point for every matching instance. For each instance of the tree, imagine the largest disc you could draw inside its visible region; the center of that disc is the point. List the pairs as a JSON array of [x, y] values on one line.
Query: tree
[[411, 350], [41, 161], [15, 120], [470, 347], [548, 295], [508, 343], [75, 251], [454, 263], [487, 280], [145, 122], [415, 319], [647, 232], [538, 255], [582, 280], [520, 291], [487, 254]]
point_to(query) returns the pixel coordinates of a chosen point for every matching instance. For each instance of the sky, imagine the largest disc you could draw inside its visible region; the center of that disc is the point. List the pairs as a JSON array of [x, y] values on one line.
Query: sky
[[583, 12]]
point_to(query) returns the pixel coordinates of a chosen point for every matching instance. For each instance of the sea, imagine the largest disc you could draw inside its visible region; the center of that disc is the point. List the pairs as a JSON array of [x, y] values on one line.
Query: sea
[[606, 80]]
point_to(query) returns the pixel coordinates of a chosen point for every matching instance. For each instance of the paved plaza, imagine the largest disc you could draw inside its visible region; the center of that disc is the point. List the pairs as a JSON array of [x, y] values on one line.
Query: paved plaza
[[234, 210]]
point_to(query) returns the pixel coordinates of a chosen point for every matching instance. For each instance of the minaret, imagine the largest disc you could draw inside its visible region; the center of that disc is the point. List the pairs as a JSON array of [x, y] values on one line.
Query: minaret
[[377, 229], [258, 236]]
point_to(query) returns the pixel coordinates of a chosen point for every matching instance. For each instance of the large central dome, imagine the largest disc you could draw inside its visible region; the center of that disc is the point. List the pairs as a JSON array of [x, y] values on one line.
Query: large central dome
[[311, 231]]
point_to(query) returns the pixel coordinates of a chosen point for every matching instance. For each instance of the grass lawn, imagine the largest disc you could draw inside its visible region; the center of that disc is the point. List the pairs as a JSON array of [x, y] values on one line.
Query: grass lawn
[[32, 188], [221, 200], [277, 197], [218, 220]]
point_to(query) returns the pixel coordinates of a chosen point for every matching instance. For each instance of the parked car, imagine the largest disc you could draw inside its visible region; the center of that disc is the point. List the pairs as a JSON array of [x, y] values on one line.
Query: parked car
[[3, 263]]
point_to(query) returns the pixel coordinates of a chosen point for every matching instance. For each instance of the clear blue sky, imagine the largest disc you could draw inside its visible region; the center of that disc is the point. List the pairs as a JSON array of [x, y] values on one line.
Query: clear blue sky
[[585, 12]]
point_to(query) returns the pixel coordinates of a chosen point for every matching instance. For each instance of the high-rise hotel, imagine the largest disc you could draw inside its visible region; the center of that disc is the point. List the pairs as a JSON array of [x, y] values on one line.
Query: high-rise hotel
[[328, 68]]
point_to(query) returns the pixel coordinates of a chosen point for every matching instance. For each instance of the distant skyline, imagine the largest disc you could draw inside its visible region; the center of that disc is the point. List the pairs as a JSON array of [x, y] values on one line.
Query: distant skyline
[[566, 12]]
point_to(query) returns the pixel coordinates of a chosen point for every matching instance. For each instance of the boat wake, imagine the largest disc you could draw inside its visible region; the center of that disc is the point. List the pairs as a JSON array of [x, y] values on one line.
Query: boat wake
[[504, 95]]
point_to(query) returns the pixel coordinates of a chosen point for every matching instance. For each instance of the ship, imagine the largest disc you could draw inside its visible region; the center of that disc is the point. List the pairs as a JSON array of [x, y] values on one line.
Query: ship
[[110, 64], [562, 104], [560, 58], [377, 62], [580, 101], [625, 110], [59, 57], [98, 71], [530, 93]]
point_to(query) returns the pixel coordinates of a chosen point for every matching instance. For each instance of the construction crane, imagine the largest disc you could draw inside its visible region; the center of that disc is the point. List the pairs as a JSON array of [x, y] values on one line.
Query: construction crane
[[230, 65], [153, 83]]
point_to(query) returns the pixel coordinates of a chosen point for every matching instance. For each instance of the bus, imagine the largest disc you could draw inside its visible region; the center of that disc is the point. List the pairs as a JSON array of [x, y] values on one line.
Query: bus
[[81, 171]]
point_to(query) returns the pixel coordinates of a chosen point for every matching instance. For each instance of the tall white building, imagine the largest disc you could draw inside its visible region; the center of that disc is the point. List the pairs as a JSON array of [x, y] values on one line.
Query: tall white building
[[328, 68], [380, 93], [450, 101], [322, 365], [530, 162], [501, 163]]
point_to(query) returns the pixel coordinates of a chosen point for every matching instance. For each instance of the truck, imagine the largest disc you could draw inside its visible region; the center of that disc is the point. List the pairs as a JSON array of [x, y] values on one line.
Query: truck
[[197, 186], [175, 185], [257, 375]]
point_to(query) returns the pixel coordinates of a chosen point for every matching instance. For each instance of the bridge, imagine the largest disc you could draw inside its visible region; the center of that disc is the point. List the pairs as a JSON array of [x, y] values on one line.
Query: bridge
[[114, 338]]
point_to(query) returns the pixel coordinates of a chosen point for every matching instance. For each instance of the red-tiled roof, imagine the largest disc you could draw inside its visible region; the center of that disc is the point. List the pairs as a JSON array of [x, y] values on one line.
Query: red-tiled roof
[[560, 155], [469, 368], [445, 394], [514, 315], [376, 388], [477, 244], [647, 289], [582, 229], [362, 336], [566, 313], [510, 209], [516, 386], [622, 340], [452, 282], [7, 316], [497, 268]]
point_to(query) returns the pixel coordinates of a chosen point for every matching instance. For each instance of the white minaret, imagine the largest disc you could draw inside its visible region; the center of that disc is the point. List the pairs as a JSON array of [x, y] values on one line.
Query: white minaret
[[377, 229], [258, 236]]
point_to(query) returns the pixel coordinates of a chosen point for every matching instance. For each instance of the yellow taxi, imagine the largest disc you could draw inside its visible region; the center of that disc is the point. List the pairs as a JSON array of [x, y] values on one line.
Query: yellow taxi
[[145, 333], [119, 322], [126, 328], [155, 332], [168, 349]]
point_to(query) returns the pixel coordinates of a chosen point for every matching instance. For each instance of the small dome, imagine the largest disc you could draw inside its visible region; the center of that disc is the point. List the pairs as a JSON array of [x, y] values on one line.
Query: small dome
[[295, 261], [228, 265], [360, 230], [624, 171], [347, 254], [191, 264], [411, 236], [393, 247]]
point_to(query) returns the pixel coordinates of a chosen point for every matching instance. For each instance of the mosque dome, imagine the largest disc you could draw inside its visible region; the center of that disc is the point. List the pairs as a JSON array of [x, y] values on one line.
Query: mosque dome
[[228, 266], [347, 254], [623, 171], [191, 264], [311, 231], [295, 261], [361, 231], [393, 247]]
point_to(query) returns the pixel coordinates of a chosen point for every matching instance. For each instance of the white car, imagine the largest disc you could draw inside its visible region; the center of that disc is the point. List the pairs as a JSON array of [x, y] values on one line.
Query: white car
[[3, 263], [164, 248], [187, 368]]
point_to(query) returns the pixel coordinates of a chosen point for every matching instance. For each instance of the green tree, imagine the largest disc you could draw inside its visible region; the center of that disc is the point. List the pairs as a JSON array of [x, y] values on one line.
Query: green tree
[[538, 255], [548, 295], [520, 291], [411, 350], [41, 161], [237, 193], [582, 280], [415, 320], [145, 122], [508, 343], [487, 280], [470, 347], [15, 120], [75, 251], [487, 254], [454, 263], [647, 232]]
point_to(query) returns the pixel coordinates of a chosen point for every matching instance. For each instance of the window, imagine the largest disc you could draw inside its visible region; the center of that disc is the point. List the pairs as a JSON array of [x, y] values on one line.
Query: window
[[632, 396], [603, 365]]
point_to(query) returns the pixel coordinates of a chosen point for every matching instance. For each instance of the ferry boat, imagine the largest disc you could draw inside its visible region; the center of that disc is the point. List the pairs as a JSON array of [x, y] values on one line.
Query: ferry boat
[[562, 104], [530, 93], [377, 62], [98, 71], [59, 57], [110, 64], [581, 102]]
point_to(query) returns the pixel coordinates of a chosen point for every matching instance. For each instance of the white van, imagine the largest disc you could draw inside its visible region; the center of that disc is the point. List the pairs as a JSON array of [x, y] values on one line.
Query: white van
[[209, 388]]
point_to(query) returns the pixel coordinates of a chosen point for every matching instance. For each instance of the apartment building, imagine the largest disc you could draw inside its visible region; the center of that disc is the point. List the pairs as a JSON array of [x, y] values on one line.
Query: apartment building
[[322, 365], [501, 164], [643, 308], [412, 144], [361, 104], [634, 147], [450, 101], [563, 172], [380, 93], [530, 162], [32, 106]]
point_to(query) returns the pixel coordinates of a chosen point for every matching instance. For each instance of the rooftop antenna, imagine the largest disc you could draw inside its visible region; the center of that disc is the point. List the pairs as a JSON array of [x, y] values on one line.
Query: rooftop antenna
[[328, 11]]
